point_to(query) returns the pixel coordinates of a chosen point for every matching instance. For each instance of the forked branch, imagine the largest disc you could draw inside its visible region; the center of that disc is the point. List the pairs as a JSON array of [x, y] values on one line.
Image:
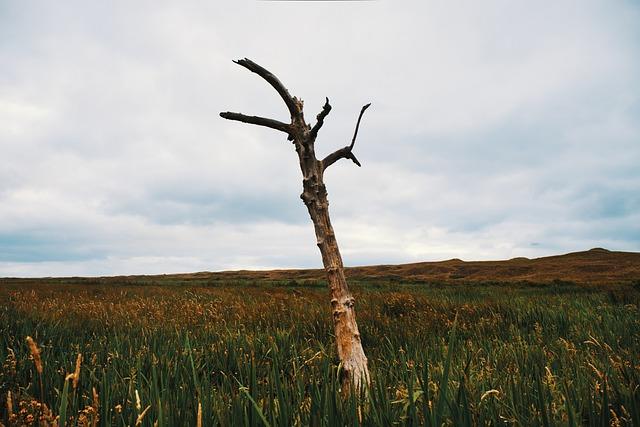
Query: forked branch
[[343, 153], [255, 120], [346, 152]]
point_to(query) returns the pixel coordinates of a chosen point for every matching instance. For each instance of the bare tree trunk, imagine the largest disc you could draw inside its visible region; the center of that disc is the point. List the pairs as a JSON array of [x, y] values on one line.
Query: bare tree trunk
[[314, 196], [350, 352]]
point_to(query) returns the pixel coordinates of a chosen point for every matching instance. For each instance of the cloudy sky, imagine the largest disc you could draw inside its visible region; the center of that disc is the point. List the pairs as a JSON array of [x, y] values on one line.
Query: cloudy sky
[[497, 129]]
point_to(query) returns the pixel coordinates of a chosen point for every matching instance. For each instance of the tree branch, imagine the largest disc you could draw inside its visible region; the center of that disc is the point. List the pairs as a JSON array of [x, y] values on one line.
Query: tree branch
[[273, 81], [343, 153], [353, 141], [346, 152], [260, 121], [320, 119]]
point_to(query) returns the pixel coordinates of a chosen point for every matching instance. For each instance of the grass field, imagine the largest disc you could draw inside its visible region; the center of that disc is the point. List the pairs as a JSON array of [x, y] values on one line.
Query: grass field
[[171, 352]]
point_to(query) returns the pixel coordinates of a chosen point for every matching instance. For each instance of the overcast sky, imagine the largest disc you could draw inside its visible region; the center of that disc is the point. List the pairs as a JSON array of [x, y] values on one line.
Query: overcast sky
[[497, 129]]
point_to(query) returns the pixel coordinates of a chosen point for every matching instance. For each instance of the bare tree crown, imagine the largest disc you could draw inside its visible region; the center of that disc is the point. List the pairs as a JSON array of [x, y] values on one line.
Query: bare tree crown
[[298, 130]]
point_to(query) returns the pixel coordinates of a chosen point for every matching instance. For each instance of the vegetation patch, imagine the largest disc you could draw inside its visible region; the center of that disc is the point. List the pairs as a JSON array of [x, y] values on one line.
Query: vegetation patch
[[158, 351]]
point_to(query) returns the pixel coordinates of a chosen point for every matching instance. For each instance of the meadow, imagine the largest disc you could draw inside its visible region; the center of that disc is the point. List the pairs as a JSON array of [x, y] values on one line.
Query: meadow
[[170, 352]]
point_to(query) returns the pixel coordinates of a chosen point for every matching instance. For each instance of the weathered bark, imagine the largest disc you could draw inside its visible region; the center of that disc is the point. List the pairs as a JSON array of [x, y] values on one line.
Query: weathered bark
[[314, 196], [350, 352]]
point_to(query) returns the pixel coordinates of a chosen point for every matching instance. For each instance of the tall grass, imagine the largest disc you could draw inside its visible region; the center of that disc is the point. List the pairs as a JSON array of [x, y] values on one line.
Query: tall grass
[[263, 354]]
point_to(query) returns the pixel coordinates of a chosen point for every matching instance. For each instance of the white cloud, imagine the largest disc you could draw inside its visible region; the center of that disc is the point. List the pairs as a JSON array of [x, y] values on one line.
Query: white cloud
[[497, 129]]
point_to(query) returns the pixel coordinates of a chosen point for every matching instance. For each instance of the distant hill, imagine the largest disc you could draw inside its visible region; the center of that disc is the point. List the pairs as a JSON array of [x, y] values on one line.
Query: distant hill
[[593, 266]]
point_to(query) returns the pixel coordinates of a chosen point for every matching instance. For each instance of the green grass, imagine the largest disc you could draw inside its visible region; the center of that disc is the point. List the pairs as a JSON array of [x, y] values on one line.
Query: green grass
[[262, 353]]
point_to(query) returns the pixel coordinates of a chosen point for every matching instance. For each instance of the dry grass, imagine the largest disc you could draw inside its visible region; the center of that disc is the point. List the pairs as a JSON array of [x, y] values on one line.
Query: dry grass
[[200, 352]]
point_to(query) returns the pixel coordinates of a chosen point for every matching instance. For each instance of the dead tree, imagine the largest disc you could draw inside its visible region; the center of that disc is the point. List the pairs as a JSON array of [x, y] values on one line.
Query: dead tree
[[314, 196]]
